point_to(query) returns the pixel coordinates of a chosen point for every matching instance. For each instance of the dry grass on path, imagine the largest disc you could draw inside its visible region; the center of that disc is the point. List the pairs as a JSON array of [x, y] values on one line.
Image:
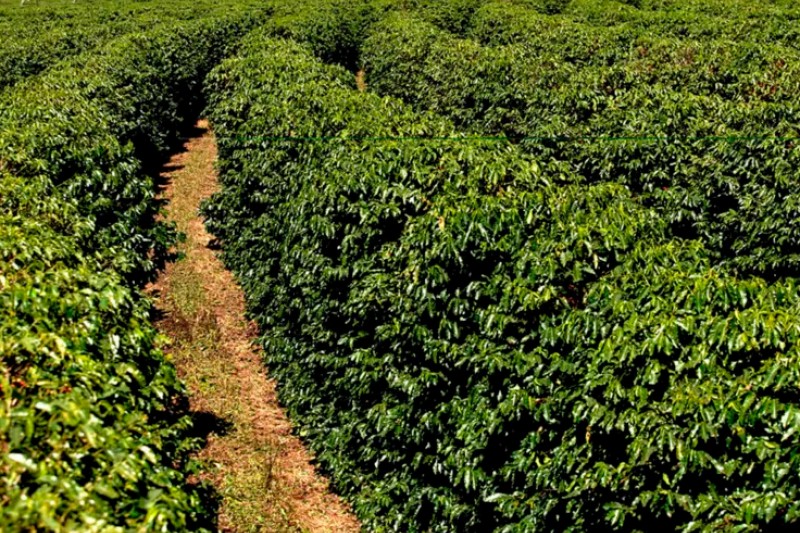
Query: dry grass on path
[[260, 469], [361, 80]]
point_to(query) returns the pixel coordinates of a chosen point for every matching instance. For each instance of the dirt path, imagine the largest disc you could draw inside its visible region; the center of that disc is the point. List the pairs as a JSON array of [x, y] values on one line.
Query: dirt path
[[261, 471], [361, 80]]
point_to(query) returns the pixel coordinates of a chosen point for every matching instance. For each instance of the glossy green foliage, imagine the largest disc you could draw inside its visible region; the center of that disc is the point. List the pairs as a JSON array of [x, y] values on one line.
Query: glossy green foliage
[[333, 28], [93, 431], [523, 21], [549, 7], [313, 231], [472, 340], [20, 58], [702, 130], [560, 36], [37, 37], [89, 126], [674, 405], [479, 335], [451, 15], [91, 437]]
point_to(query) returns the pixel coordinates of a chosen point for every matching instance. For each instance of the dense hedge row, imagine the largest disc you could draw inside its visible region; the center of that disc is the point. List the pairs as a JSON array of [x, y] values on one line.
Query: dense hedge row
[[570, 40], [473, 339], [34, 38], [24, 57], [702, 130], [91, 435], [523, 21], [334, 29], [452, 15]]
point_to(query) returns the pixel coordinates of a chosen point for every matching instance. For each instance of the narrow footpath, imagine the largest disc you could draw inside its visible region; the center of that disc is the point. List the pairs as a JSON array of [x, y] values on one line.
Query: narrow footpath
[[261, 471]]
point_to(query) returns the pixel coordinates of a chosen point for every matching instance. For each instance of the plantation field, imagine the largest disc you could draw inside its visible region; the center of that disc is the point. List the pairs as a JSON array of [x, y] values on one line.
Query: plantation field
[[516, 265]]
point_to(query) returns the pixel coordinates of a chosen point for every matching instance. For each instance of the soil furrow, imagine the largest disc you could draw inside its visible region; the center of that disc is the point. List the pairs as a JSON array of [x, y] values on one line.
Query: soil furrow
[[261, 470]]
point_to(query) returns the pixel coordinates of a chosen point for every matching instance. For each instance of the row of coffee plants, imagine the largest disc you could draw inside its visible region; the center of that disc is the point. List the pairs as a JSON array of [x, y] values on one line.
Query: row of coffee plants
[[611, 61], [704, 132], [769, 22], [522, 21], [35, 39], [334, 29], [452, 15], [473, 339], [92, 430], [23, 57], [573, 41]]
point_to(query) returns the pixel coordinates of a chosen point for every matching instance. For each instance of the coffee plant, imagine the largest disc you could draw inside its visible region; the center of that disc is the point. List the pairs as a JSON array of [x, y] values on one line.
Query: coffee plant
[[93, 434], [333, 28], [540, 276], [475, 336], [703, 131], [35, 41], [524, 21]]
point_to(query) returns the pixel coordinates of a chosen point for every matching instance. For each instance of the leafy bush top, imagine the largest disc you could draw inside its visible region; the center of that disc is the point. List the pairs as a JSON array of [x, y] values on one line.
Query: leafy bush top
[[91, 428], [473, 338]]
